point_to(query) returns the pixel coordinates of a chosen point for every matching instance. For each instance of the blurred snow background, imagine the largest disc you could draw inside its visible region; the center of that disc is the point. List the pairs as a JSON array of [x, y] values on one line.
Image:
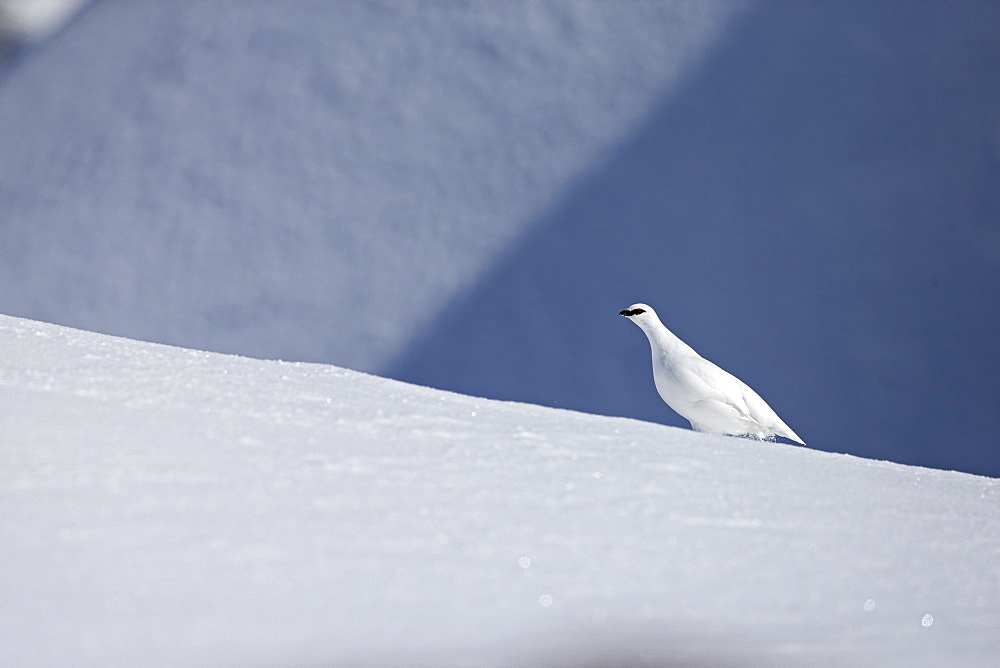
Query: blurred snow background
[[464, 196], [34, 20]]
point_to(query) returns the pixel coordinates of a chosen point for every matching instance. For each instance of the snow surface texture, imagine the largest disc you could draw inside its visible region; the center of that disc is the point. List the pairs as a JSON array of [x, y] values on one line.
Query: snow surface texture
[[163, 506], [806, 192]]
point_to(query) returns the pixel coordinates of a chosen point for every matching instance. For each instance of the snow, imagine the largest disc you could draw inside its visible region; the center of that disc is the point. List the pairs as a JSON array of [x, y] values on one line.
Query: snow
[[258, 173], [805, 191], [167, 506], [36, 19]]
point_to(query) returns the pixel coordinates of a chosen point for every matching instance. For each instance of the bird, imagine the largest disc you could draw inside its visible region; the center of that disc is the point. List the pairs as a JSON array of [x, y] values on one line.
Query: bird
[[711, 399]]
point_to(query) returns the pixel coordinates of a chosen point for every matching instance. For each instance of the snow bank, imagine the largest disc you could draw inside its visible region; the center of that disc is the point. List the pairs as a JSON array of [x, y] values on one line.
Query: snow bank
[[166, 506], [805, 191]]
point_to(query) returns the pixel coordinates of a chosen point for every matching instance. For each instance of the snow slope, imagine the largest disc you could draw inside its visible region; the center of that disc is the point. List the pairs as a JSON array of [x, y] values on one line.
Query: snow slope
[[165, 506], [247, 178]]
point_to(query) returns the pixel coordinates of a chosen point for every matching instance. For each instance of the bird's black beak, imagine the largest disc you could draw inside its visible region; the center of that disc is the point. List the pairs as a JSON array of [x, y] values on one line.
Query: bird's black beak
[[623, 312]]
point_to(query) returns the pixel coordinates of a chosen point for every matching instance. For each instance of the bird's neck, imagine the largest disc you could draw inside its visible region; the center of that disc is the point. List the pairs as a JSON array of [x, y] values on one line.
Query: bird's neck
[[662, 338]]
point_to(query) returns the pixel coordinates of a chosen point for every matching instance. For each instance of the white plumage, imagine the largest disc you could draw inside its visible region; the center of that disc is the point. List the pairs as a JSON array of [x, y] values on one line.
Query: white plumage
[[713, 400]]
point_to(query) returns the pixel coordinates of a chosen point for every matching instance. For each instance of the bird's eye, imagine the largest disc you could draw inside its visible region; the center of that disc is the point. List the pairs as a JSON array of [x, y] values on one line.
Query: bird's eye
[[637, 311]]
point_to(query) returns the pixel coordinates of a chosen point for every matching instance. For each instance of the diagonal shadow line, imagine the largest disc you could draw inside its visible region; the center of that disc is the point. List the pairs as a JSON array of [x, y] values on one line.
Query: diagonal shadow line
[[813, 210]]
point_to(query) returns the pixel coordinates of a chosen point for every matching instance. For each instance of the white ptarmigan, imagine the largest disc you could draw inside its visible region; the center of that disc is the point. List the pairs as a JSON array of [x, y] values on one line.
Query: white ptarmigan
[[713, 400]]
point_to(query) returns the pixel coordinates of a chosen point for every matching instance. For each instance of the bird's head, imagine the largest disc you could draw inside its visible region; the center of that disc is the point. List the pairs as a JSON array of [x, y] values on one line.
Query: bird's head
[[640, 314]]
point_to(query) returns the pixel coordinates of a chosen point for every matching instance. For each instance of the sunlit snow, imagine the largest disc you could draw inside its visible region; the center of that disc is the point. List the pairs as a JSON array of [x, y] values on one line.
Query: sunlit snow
[[164, 506]]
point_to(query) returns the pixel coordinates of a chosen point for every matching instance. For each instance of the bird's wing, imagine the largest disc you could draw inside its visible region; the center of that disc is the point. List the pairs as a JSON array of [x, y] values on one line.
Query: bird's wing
[[765, 415], [720, 385], [710, 383], [716, 385]]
